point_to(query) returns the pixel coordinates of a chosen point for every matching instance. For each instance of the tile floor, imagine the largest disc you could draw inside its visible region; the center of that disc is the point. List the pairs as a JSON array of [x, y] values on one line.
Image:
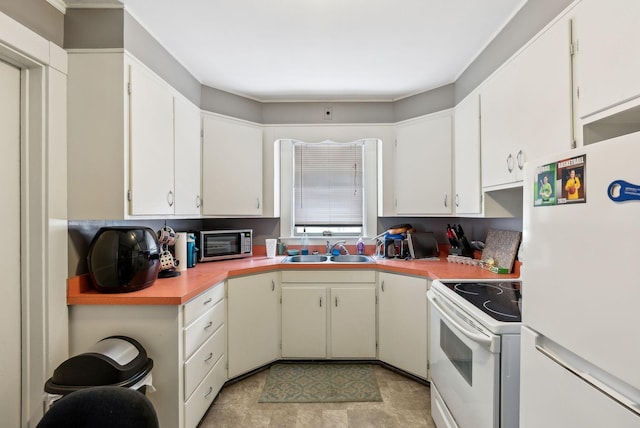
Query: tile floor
[[406, 404]]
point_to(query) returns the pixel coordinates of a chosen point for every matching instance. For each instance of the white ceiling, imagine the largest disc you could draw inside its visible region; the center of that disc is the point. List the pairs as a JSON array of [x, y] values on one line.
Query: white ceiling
[[340, 50]]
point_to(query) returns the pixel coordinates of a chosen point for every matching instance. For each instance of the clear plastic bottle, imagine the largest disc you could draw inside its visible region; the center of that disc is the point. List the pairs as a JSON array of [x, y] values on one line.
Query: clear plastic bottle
[[304, 248], [360, 246]]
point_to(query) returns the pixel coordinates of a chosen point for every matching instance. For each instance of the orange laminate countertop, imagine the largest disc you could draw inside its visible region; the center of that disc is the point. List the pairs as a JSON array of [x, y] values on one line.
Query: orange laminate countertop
[[193, 281]]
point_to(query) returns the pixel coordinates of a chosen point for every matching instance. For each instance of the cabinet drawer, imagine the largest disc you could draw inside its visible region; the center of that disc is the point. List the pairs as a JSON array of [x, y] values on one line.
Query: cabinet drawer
[[202, 303], [196, 406], [197, 367], [202, 328]]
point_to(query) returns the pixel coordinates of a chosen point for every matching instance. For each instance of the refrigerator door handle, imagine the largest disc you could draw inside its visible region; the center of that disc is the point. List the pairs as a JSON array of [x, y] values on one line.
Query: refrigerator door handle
[[596, 383]]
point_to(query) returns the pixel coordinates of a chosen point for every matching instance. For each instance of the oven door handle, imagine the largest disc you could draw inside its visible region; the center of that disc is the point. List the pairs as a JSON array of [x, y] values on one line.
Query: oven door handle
[[476, 336]]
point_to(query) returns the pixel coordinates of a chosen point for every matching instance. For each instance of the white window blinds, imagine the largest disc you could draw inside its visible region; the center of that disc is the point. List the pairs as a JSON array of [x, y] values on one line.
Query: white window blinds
[[328, 184]]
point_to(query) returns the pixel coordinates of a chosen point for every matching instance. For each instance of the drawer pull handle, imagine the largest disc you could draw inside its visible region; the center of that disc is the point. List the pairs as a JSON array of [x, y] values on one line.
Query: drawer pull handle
[[208, 325], [209, 300], [206, 360], [208, 392]]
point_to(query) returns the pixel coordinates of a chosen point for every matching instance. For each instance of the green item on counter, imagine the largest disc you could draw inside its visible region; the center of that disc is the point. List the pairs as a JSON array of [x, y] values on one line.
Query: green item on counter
[[496, 269]]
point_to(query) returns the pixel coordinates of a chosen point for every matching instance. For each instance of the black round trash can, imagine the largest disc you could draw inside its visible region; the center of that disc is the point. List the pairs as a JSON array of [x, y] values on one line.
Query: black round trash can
[[113, 361]]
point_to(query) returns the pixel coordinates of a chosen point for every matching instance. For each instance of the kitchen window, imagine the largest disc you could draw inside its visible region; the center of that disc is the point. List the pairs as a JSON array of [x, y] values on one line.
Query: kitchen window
[[328, 188]]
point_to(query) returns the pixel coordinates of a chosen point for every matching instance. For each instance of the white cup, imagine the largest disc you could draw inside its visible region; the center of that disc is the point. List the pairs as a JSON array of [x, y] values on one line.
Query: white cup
[[271, 247]]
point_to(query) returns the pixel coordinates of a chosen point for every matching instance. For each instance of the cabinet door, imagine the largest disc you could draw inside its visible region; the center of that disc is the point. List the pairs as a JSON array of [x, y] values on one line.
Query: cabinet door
[[608, 36], [231, 167], [467, 156], [304, 322], [526, 107], [151, 131], [353, 322], [402, 322], [253, 322], [187, 157], [423, 166]]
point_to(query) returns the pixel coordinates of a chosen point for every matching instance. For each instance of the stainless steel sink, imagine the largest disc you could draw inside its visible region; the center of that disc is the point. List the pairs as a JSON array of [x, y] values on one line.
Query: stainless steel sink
[[318, 258], [306, 258], [351, 258]]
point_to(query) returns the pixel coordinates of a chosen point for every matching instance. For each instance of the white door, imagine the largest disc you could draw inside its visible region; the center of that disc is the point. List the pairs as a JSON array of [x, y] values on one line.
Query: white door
[[304, 322], [253, 322], [10, 326], [151, 130], [567, 400], [423, 166], [467, 156], [231, 167], [353, 321], [187, 157], [402, 322]]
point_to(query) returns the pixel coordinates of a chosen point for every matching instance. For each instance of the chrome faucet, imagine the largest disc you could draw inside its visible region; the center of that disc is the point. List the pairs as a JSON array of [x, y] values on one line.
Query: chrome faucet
[[339, 244]]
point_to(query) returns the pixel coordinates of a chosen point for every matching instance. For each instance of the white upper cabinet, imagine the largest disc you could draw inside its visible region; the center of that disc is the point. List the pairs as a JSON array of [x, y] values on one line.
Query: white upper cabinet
[[467, 156], [607, 35], [526, 107], [423, 166], [231, 167], [130, 143], [151, 130], [187, 154]]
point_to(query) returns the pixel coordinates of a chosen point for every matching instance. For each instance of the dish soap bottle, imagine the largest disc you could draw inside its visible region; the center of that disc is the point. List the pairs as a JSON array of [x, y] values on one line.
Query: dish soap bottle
[[305, 244], [360, 246]]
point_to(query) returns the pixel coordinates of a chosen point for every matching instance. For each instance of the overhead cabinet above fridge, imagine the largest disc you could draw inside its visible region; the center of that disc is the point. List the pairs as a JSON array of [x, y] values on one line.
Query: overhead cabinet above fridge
[[526, 108]]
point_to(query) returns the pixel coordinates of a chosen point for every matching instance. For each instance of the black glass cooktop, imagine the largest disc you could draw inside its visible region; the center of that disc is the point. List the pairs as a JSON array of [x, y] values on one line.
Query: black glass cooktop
[[500, 300]]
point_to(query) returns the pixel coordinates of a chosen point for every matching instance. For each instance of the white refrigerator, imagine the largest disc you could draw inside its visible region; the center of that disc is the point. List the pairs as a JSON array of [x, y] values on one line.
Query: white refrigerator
[[580, 364]]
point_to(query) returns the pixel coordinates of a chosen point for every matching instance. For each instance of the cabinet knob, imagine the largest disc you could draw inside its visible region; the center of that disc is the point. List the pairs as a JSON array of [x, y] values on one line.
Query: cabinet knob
[[382, 286], [336, 301], [445, 199], [198, 201], [206, 360], [208, 326], [457, 200], [258, 205], [170, 198]]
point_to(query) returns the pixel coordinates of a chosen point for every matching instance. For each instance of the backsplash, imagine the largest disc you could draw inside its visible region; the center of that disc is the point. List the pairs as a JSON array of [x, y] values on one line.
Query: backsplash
[[82, 232]]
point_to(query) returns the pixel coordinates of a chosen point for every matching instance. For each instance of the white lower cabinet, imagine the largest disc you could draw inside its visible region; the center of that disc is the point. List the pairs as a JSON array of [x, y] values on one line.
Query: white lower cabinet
[[402, 322], [353, 320], [187, 344], [328, 314], [253, 321]]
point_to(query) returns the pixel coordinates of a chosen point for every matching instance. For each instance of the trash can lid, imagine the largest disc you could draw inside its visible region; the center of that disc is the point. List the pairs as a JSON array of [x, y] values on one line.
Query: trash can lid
[[116, 360]]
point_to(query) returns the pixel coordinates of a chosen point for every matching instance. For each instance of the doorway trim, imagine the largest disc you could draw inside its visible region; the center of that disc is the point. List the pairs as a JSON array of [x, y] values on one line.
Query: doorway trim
[[43, 216]]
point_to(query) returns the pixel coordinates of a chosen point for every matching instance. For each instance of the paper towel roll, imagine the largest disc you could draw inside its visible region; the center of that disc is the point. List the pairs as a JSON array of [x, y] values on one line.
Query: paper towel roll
[[181, 250]]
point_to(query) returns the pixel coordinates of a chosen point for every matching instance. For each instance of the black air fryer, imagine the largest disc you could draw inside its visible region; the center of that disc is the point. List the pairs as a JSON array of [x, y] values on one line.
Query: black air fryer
[[123, 259]]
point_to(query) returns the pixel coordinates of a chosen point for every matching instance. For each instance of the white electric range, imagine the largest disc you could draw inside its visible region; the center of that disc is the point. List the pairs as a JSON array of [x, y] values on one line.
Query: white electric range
[[475, 353]]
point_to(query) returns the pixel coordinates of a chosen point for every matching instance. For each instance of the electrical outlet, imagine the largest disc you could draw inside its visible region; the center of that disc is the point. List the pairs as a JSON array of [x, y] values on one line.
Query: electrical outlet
[[328, 113]]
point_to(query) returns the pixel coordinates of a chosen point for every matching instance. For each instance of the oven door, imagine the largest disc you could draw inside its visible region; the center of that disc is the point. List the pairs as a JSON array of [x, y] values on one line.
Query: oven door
[[465, 361]]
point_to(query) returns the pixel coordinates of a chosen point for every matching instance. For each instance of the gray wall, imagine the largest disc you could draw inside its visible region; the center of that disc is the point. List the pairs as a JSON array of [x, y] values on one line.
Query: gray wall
[[533, 16], [94, 29], [37, 15], [114, 28]]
